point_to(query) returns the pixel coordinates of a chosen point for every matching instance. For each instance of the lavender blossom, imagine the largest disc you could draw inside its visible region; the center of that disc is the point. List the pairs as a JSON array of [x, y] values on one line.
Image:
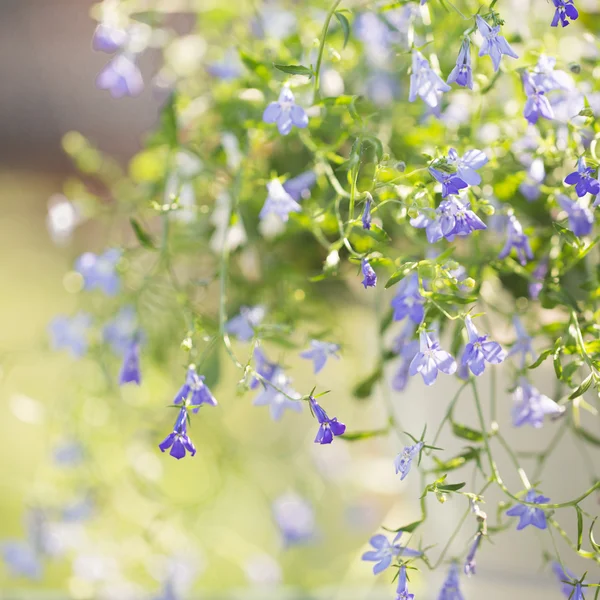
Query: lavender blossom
[[583, 179], [407, 348], [451, 182], [286, 113], [494, 45], [523, 344], [529, 515], [121, 77], [319, 353], [563, 576], [100, 271], [538, 274], [244, 325], [515, 238], [408, 301], [450, 589], [581, 218], [370, 277], [21, 559], [366, 216], [425, 82], [120, 330], [263, 367], [328, 427], [179, 440], [430, 359], [565, 10], [228, 68], [194, 392], [130, 371], [530, 188], [402, 589], [470, 563], [278, 395], [468, 164], [278, 202], [548, 78], [299, 187], [385, 552], [537, 104], [403, 461], [531, 406], [295, 518], [462, 73], [478, 350], [71, 333], [108, 38]]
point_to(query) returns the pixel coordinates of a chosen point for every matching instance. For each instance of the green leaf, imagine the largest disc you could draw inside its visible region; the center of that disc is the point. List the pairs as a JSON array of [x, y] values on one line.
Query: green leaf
[[345, 24], [582, 388], [377, 233], [406, 528], [142, 236], [375, 142], [169, 121], [401, 274], [458, 461], [466, 433], [451, 487], [579, 527], [256, 66], [566, 234], [364, 435], [295, 70], [556, 359], [365, 388], [541, 358], [595, 546]]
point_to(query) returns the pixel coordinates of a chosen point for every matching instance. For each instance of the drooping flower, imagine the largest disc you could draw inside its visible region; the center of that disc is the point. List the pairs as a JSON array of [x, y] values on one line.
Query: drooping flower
[[370, 277], [583, 179], [244, 325], [179, 440], [531, 406], [328, 427], [494, 45], [366, 216], [581, 218], [522, 345], [278, 202], [120, 330], [450, 589], [529, 515], [121, 77], [536, 173], [295, 518], [538, 274], [462, 73], [403, 462], [263, 366], [425, 82], [408, 301], [515, 238], [430, 359], [385, 552], [565, 10], [479, 350], [299, 187], [451, 182], [565, 575], [108, 37], [130, 370], [402, 589], [470, 563], [278, 395], [537, 104], [468, 164], [100, 271], [319, 352], [548, 78], [194, 392], [286, 113], [71, 333]]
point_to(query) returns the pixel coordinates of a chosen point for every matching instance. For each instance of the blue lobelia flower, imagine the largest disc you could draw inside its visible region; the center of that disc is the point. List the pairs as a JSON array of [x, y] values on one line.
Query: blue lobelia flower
[[244, 325], [109, 38], [366, 216], [120, 330], [227, 69], [286, 113], [328, 427], [278, 395], [581, 218], [194, 392], [515, 238], [319, 353], [121, 77], [548, 78], [407, 348], [430, 359], [459, 219], [450, 589], [478, 350], [529, 515], [425, 82], [299, 187], [565, 10], [408, 301], [538, 274], [278, 202], [263, 366], [71, 333], [403, 462], [451, 182], [179, 440], [470, 563], [21, 559], [402, 589], [100, 271], [370, 277], [462, 73], [583, 180], [537, 104], [494, 45], [531, 406], [385, 552], [565, 575], [523, 343], [295, 518], [468, 164], [130, 370], [536, 173]]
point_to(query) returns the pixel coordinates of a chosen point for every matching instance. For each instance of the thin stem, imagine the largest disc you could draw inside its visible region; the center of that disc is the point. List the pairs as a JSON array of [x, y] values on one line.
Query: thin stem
[[322, 45], [448, 413], [514, 460]]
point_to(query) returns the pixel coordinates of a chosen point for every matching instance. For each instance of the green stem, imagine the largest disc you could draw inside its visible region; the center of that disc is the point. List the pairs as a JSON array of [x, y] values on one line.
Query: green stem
[[448, 414], [322, 45]]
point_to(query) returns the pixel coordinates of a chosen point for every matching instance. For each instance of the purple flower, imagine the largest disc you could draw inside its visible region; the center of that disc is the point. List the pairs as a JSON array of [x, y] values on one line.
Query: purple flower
[[531, 406], [430, 359], [179, 440], [319, 353], [21, 559], [548, 78], [194, 391], [295, 518], [530, 188], [299, 187], [581, 218], [121, 77], [403, 461], [402, 589], [100, 271], [370, 277], [467, 165], [478, 350], [565, 10], [583, 180], [451, 590], [462, 73], [523, 344], [565, 575], [278, 395], [328, 427], [408, 301], [286, 113], [229, 68], [406, 347], [244, 325], [265, 368], [537, 105], [71, 333], [366, 216], [470, 564], [528, 515], [130, 371], [108, 39], [119, 331], [494, 45], [385, 552], [451, 182], [279, 202], [515, 238], [68, 453], [538, 274], [425, 82]]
